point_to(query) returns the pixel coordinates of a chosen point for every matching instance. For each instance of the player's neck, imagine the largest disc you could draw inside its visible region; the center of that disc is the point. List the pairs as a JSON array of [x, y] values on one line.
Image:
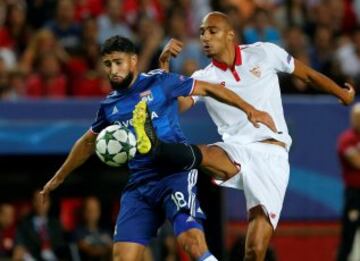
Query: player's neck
[[227, 56], [136, 74]]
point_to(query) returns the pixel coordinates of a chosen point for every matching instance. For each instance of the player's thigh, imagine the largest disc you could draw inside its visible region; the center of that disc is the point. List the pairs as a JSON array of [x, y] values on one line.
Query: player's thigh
[[218, 162], [179, 198], [259, 231], [128, 251], [137, 221]]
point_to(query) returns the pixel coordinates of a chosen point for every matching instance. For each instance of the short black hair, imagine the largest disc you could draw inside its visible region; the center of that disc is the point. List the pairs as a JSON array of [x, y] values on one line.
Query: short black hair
[[118, 43]]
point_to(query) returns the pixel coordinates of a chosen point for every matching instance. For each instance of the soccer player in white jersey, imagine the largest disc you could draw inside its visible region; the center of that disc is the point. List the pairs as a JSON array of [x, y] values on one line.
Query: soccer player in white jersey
[[253, 159]]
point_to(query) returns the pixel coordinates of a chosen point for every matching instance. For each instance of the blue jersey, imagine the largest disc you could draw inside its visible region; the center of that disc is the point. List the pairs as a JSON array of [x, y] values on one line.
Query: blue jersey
[[160, 90]]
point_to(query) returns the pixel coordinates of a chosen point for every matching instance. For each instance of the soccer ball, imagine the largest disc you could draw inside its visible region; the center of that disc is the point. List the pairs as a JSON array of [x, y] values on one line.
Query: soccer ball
[[115, 145]]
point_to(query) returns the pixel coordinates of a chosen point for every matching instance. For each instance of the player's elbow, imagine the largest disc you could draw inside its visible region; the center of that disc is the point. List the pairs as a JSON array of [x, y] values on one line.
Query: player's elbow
[[202, 88], [86, 145], [304, 72]]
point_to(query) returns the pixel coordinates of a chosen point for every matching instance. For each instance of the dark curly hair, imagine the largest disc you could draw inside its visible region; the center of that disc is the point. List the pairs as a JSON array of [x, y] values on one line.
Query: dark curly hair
[[118, 43]]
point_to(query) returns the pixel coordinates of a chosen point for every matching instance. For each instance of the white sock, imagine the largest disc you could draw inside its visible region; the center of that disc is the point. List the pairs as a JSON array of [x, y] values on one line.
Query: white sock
[[207, 256], [210, 258]]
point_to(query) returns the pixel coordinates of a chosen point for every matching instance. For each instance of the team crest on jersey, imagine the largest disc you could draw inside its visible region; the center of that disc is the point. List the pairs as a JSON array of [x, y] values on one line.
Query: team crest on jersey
[[256, 71], [146, 96]]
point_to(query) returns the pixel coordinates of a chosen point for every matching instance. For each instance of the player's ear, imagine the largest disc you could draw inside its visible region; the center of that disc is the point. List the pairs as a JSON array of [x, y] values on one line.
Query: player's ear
[[134, 60], [231, 35]]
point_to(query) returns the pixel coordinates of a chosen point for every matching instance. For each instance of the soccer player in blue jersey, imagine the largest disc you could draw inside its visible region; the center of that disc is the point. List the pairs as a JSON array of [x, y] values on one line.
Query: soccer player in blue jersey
[[150, 196]]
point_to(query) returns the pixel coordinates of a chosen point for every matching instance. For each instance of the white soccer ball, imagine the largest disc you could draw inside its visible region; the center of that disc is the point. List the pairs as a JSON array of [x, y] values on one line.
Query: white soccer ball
[[115, 145]]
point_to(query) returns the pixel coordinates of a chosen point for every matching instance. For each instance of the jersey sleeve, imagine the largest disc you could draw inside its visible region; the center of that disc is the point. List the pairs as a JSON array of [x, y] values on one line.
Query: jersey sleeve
[[280, 59], [197, 75], [347, 145], [178, 85], [100, 121]]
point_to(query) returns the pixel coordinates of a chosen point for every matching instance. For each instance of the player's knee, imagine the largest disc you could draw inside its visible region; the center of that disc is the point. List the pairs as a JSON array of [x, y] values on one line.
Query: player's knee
[[119, 254], [206, 155], [116, 254], [193, 242], [217, 161], [123, 256], [123, 252]]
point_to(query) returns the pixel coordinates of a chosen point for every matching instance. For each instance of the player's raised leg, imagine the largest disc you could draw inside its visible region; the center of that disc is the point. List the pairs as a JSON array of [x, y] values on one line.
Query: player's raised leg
[[128, 251], [180, 156]]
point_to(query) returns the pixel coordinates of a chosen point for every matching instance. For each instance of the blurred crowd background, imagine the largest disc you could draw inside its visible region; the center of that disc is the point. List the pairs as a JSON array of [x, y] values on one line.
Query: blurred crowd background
[[50, 50]]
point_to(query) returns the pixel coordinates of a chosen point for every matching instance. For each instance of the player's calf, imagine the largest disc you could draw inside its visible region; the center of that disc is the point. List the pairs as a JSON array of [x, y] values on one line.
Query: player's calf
[[178, 156], [191, 237], [193, 242], [258, 235]]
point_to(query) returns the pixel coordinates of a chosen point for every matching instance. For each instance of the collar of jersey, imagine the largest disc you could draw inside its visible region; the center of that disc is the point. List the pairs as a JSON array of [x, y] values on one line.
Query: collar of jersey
[[237, 62]]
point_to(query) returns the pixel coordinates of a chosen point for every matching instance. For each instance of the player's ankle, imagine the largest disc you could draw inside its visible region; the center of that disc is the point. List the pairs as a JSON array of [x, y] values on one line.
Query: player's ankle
[[207, 256]]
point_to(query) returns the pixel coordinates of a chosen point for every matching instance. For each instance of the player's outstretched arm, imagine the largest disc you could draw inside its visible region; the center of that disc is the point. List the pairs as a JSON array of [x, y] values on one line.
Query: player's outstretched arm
[[185, 103], [314, 78], [171, 49], [227, 96], [83, 148]]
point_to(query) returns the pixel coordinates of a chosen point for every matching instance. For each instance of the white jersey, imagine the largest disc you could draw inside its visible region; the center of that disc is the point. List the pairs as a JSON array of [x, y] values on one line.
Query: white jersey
[[254, 78]]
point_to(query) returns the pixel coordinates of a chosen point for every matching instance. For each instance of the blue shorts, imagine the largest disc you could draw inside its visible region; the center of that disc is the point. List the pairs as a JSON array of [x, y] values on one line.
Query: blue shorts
[[143, 209]]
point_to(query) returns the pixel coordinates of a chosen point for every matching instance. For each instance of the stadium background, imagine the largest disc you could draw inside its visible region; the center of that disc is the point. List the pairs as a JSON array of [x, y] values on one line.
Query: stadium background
[[51, 82]]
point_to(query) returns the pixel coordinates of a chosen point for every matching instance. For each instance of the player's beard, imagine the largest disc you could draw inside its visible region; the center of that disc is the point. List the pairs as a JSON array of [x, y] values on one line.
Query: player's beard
[[124, 84]]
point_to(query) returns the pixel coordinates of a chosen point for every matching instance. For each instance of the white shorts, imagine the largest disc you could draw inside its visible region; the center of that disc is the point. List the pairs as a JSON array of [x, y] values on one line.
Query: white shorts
[[263, 175]]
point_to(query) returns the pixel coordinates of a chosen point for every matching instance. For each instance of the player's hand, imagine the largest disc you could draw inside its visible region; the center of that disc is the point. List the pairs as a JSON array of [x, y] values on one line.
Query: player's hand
[[348, 94], [49, 186], [171, 49], [256, 117]]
